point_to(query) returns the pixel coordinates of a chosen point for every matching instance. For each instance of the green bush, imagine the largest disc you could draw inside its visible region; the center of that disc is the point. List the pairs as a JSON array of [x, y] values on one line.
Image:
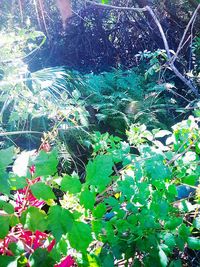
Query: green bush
[[126, 210]]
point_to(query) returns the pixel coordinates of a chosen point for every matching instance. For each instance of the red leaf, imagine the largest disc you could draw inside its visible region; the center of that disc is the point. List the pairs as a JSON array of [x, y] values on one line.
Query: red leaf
[[51, 245], [67, 262]]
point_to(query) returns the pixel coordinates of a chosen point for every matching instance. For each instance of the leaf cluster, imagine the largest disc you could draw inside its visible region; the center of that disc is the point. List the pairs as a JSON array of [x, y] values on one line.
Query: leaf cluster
[[128, 209]]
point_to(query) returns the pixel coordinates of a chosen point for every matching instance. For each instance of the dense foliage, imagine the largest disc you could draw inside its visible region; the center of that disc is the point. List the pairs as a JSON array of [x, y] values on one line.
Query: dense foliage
[[125, 210], [99, 168]]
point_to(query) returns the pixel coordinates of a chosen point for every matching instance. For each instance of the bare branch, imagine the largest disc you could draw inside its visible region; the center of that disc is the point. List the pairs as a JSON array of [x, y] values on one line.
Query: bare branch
[[105, 6], [192, 20], [171, 59]]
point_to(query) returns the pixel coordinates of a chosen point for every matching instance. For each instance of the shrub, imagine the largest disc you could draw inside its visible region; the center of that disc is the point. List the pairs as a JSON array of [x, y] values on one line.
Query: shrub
[[126, 210]]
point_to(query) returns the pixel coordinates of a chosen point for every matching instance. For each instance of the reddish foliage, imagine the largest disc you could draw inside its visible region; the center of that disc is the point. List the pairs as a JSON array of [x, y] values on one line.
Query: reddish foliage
[[30, 240], [25, 198], [67, 262]]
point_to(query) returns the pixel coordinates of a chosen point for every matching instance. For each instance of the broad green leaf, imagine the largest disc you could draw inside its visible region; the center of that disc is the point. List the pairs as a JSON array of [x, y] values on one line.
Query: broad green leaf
[[71, 184], [7, 207], [172, 190], [4, 183], [60, 221], [98, 171], [34, 219], [156, 170], [169, 240], [191, 179], [45, 163], [17, 248], [4, 226], [6, 157], [106, 259], [59, 249], [14, 220], [193, 243], [42, 191], [87, 199], [99, 211], [80, 236], [172, 223], [8, 261], [17, 182], [184, 232], [41, 258]]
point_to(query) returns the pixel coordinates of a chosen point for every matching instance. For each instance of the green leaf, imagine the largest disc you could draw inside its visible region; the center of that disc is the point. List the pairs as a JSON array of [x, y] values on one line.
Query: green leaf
[[17, 182], [98, 171], [6, 157], [163, 257], [191, 179], [184, 232], [193, 243], [4, 184], [14, 220], [173, 223], [34, 219], [60, 221], [172, 190], [45, 163], [176, 263], [169, 240], [8, 261], [7, 207], [87, 199], [17, 248], [41, 258], [156, 170], [99, 211], [107, 259], [4, 223], [59, 249], [80, 236], [42, 191], [71, 184]]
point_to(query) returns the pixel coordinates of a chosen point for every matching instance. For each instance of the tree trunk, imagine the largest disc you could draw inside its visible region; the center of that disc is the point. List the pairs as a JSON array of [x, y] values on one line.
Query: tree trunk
[[65, 9]]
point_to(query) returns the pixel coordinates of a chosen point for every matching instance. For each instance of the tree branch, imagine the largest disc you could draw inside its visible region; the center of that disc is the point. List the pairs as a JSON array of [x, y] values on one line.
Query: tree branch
[[171, 59], [105, 6], [192, 20]]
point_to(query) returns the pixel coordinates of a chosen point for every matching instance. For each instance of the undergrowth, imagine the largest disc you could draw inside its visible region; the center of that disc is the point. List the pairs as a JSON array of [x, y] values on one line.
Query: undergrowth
[[126, 210]]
